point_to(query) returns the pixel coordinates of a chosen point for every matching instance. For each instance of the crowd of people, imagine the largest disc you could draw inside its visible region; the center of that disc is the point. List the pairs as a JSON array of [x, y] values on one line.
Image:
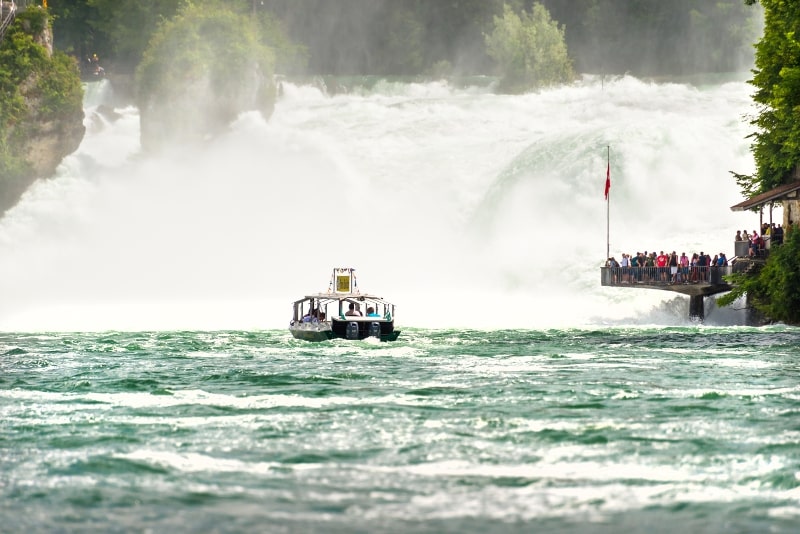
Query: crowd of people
[[670, 268], [664, 268], [758, 242]]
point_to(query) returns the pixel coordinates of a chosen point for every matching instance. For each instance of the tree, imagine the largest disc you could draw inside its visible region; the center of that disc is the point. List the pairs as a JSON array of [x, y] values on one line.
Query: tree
[[201, 69], [776, 145], [529, 50], [402, 43], [121, 29]]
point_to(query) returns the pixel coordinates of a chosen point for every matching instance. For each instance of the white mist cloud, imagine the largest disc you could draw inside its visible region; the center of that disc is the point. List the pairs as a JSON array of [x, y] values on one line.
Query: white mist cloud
[[463, 207]]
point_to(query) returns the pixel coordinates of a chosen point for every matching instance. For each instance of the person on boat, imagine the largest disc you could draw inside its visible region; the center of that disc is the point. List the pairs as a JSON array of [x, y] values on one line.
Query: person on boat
[[311, 317], [371, 312], [352, 311]]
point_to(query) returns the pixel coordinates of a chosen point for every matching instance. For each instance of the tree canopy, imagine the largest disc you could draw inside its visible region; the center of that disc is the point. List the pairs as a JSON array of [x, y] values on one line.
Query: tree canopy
[[776, 145], [201, 69], [402, 37], [529, 49]]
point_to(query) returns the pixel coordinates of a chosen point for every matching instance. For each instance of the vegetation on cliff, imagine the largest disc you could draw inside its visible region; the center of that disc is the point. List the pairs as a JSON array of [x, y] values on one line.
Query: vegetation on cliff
[[529, 49], [776, 145], [41, 102], [201, 69], [410, 37]]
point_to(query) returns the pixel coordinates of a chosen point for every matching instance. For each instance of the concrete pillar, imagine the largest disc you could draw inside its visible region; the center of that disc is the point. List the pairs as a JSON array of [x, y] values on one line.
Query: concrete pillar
[[696, 309]]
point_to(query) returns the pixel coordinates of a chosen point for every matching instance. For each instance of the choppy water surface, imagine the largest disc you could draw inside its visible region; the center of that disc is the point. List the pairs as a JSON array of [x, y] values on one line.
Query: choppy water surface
[[641, 430]]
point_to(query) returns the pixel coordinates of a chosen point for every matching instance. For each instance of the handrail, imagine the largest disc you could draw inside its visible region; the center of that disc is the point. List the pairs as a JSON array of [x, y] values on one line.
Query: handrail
[[663, 276], [6, 20]]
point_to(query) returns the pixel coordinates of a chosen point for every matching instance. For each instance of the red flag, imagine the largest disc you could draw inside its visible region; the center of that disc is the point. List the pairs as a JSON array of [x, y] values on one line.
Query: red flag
[[608, 179]]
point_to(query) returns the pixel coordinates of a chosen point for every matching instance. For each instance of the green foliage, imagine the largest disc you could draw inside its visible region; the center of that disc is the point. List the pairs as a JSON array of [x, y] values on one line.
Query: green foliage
[[289, 56], [32, 21], [74, 28], [124, 27], [644, 37], [774, 289], [529, 49], [33, 86], [776, 145], [60, 86], [198, 42], [403, 41]]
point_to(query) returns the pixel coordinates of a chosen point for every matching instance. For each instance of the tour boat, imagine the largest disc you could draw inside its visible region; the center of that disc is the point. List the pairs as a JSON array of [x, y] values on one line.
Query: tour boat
[[343, 312]]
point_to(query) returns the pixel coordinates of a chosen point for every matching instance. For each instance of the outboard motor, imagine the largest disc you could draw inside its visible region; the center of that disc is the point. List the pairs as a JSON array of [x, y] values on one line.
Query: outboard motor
[[375, 329], [352, 330]]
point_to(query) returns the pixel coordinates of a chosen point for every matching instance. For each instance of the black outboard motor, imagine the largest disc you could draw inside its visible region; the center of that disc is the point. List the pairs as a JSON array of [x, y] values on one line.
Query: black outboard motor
[[375, 329], [352, 330]]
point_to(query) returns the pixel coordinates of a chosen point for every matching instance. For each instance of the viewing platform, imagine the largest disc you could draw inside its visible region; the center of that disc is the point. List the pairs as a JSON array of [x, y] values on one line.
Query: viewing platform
[[695, 282]]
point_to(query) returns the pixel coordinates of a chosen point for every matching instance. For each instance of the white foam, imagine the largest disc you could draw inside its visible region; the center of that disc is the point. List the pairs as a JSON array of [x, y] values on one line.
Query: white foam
[[465, 208]]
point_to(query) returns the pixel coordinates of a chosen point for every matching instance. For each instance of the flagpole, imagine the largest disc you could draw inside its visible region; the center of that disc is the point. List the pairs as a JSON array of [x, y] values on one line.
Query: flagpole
[[608, 201]]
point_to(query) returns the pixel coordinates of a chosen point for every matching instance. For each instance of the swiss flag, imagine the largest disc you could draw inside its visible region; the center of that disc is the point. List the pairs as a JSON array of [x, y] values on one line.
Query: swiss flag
[[608, 179]]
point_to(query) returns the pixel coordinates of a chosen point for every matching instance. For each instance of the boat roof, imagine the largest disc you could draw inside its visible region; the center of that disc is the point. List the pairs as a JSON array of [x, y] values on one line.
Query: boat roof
[[343, 286], [342, 296]]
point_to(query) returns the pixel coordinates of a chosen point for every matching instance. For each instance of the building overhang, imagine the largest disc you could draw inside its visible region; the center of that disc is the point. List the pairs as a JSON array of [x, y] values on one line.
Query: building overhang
[[782, 192]]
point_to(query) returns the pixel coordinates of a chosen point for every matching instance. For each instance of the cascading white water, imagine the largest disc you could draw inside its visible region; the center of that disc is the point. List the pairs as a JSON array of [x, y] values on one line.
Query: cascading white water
[[466, 208]]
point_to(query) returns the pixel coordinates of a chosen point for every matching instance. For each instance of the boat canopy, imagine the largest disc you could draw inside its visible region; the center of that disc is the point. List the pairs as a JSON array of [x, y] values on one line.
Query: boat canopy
[[343, 288]]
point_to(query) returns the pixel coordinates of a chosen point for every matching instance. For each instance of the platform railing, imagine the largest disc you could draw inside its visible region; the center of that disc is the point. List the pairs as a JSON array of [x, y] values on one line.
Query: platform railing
[[662, 276]]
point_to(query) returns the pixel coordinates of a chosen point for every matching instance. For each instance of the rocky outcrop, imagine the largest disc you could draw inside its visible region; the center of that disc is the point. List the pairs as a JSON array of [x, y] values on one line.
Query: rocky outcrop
[[199, 111], [42, 111], [201, 70], [50, 135]]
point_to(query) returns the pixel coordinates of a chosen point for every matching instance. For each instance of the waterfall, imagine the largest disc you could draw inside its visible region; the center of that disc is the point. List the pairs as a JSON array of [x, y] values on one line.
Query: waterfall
[[465, 208]]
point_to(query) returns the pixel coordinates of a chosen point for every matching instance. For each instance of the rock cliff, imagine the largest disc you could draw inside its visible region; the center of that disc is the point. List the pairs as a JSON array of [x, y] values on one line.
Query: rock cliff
[[200, 71], [41, 105]]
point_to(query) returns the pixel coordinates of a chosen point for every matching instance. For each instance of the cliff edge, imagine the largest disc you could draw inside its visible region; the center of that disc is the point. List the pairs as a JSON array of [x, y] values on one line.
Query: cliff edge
[[41, 105]]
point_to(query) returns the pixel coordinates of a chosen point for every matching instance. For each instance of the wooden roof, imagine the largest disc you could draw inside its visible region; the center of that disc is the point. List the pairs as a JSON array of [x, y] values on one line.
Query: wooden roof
[[779, 193]]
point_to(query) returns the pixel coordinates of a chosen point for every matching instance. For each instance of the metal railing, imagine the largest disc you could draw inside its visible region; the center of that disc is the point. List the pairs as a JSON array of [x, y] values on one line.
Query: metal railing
[[8, 10], [663, 276]]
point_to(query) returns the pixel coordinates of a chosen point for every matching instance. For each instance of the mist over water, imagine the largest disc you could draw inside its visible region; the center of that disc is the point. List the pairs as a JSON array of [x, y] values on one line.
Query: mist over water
[[465, 208]]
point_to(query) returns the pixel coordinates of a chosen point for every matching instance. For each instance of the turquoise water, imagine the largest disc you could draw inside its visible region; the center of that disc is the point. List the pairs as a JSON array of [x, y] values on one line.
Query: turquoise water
[[688, 429]]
